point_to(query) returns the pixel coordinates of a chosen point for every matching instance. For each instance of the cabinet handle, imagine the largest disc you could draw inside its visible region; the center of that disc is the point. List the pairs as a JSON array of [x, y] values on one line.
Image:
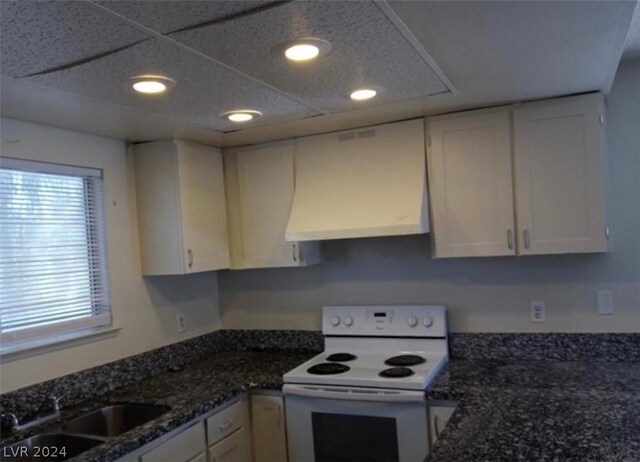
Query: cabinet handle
[[190, 257], [510, 239], [525, 235], [294, 254], [279, 421], [225, 425], [435, 425]]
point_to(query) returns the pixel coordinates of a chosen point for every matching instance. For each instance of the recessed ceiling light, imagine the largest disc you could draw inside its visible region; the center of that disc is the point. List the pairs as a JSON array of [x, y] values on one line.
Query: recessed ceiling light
[[302, 52], [363, 94], [241, 115], [152, 84], [304, 49]]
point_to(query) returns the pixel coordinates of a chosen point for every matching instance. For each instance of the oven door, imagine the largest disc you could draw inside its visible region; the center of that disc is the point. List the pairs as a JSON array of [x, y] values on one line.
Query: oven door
[[331, 423]]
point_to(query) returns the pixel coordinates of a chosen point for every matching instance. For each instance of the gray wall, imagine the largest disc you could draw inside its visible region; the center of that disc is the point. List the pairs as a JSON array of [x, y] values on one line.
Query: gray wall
[[490, 294]]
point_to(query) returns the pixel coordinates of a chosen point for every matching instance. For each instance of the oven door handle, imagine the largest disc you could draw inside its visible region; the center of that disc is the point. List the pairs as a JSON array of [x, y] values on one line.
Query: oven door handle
[[355, 394]]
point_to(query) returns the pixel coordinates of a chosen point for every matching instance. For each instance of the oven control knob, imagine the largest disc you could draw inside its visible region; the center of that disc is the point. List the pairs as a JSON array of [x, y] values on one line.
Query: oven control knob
[[335, 320], [412, 321], [427, 321], [348, 321]]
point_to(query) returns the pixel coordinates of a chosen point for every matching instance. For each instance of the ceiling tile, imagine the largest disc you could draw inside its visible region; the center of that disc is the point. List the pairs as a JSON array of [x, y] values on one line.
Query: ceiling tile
[[37, 35], [169, 15], [367, 50], [203, 89]]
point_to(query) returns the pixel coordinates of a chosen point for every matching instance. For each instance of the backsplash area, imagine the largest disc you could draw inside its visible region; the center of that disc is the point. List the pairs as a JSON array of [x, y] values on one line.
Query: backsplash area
[[100, 380]]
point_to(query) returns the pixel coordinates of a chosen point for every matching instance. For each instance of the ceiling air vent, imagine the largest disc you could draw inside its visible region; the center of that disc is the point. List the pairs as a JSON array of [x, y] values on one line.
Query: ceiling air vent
[[347, 136], [367, 134]]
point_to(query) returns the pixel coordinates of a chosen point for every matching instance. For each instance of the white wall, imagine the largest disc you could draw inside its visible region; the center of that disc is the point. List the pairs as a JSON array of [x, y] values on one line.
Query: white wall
[[145, 309], [483, 295]]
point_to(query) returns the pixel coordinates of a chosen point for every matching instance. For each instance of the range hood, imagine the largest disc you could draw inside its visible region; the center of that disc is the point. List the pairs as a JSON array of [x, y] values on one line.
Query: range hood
[[360, 183]]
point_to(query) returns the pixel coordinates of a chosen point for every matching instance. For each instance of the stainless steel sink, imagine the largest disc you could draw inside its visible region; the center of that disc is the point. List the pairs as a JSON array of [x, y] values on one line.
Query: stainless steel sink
[[114, 420], [48, 446]]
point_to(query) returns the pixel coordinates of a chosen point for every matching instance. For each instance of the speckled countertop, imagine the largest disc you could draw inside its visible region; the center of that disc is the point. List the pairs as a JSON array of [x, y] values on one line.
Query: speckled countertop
[[197, 389], [540, 411], [529, 410]]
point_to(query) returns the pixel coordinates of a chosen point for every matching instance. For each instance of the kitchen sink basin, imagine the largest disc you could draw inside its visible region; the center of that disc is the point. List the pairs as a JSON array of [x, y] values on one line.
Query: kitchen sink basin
[[114, 420], [48, 447]]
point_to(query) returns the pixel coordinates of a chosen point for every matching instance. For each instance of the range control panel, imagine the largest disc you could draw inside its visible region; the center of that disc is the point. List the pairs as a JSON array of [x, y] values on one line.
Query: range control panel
[[385, 321]]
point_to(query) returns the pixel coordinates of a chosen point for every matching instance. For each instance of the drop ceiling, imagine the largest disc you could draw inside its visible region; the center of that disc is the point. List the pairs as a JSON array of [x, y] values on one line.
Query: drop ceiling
[[68, 63]]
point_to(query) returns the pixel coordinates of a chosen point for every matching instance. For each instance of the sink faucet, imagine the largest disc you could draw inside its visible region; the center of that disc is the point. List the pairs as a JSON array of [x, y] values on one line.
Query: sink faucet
[[50, 405]]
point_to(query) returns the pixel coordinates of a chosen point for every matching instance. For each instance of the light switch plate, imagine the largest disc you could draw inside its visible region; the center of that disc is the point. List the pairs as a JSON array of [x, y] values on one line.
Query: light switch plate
[[604, 300], [538, 311]]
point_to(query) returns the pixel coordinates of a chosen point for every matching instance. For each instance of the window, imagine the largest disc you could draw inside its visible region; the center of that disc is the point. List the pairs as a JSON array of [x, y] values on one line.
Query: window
[[53, 276]]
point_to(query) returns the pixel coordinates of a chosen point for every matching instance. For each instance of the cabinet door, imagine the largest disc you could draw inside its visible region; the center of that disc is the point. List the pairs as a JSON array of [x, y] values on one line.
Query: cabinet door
[[265, 180], [181, 448], [200, 458], [269, 434], [470, 185], [559, 164], [438, 418], [203, 209], [234, 448]]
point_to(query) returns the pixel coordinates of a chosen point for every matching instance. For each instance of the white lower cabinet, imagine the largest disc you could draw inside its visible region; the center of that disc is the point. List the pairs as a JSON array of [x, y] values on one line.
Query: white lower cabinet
[[234, 448], [200, 458], [229, 433], [269, 429], [186, 446], [224, 436], [439, 414]]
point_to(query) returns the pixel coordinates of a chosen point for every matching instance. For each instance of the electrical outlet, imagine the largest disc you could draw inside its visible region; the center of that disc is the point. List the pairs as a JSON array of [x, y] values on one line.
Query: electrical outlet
[[538, 311], [182, 322], [604, 300]]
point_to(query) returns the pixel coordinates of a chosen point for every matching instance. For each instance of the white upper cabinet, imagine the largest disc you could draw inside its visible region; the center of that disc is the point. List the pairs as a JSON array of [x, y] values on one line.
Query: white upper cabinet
[[181, 208], [360, 183], [560, 153], [470, 185], [553, 189], [260, 185]]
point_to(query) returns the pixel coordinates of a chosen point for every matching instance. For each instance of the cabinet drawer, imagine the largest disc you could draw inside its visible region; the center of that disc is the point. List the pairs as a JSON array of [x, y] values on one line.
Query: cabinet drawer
[[180, 448], [234, 448], [226, 422], [202, 457]]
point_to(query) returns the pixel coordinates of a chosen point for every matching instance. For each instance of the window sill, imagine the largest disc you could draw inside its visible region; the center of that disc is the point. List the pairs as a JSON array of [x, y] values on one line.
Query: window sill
[[27, 348]]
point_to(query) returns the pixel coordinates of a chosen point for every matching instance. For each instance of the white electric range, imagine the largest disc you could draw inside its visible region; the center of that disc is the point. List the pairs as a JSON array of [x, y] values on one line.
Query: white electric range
[[363, 398]]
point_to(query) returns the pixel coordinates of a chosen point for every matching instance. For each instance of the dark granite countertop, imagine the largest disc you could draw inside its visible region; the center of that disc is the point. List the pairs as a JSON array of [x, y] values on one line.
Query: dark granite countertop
[[540, 411], [510, 409], [195, 390]]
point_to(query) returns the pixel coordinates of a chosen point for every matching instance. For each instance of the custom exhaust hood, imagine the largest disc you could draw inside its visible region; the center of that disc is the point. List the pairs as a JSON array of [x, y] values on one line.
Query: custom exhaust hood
[[360, 183]]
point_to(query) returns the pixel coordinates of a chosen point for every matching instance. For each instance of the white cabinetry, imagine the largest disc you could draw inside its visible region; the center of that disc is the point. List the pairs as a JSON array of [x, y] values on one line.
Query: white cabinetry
[[229, 433], [187, 446], [260, 185], [559, 175], [470, 185], [233, 448], [439, 414], [543, 196], [181, 208], [269, 429]]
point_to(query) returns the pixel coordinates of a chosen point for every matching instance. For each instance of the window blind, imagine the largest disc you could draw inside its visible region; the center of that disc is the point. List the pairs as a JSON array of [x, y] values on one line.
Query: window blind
[[53, 267]]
